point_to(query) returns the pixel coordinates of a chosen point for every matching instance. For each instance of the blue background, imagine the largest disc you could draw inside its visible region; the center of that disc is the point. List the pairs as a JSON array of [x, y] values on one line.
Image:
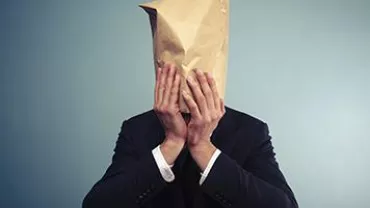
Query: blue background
[[72, 71]]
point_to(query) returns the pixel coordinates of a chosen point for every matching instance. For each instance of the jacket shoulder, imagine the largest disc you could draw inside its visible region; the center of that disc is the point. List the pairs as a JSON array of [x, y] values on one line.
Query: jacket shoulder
[[242, 118], [141, 120], [144, 130]]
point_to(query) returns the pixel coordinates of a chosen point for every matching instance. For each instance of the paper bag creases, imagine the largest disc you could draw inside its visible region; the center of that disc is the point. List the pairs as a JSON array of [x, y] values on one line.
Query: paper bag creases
[[192, 34]]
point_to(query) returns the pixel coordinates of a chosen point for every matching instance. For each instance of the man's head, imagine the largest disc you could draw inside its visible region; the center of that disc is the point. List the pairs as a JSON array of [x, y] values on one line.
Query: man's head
[[191, 34]]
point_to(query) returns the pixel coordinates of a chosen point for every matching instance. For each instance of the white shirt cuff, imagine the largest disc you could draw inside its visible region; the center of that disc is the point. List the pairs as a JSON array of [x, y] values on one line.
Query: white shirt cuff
[[204, 175], [163, 167]]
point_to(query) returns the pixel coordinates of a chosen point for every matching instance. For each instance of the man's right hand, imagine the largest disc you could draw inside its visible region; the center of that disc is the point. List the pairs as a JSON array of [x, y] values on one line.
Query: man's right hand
[[167, 108]]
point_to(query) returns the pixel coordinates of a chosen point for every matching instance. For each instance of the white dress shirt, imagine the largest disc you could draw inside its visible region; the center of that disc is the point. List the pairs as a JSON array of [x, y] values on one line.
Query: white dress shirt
[[166, 171]]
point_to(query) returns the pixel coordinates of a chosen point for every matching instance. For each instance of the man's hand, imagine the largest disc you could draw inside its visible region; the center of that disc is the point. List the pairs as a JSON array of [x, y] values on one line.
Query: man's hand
[[167, 109], [206, 110]]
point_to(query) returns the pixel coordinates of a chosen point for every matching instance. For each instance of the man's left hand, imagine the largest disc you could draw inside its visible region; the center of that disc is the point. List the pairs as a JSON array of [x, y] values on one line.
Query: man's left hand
[[206, 109]]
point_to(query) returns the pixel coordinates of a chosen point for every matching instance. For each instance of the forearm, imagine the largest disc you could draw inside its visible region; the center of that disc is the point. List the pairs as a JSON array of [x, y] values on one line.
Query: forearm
[[202, 153], [171, 148]]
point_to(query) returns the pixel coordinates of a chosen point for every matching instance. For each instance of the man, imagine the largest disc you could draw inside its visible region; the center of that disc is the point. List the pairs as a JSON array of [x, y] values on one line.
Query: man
[[215, 157]]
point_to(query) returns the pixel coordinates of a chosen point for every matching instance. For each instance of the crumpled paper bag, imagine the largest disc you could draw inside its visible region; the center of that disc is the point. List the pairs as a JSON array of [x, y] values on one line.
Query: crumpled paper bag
[[191, 34]]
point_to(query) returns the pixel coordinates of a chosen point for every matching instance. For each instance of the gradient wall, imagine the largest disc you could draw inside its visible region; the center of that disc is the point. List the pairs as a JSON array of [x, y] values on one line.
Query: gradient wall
[[72, 71]]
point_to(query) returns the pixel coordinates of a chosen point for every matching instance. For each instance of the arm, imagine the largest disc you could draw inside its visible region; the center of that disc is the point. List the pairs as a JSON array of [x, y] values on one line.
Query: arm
[[133, 179], [130, 181], [258, 183]]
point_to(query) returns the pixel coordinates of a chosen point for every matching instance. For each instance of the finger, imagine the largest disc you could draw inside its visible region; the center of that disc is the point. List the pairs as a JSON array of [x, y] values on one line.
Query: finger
[[174, 97], [162, 82], [207, 92], [223, 109], [168, 86], [157, 75], [213, 86], [198, 95], [190, 103]]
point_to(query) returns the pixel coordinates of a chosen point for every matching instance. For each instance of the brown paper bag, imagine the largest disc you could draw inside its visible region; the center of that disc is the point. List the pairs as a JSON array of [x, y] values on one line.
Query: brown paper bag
[[191, 34]]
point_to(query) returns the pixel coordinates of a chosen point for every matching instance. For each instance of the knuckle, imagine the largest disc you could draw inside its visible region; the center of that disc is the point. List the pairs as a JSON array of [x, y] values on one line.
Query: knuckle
[[171, 112], [207, 119], [174, 90], [218, 115], [202, 77], [165, 110], [208, 93], [213, 82], [193, 107], [162, 109], [155, 108], [161, 83], [202, 99], [203, 80], [214, 117], [214, 89], [194, 84], [199, 122]]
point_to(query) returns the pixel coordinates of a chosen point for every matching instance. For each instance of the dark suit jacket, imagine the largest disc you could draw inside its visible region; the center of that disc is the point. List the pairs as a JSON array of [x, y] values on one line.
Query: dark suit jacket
[[245, 175]]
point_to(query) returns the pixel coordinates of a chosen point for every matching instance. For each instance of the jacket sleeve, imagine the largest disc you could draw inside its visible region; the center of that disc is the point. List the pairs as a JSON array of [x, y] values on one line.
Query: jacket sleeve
[[130, 181], [258, 183]]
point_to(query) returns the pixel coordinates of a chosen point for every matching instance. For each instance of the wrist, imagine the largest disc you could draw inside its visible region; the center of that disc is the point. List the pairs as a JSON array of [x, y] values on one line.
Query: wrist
[[202, 147], [202, 153], [174, 142], [199, 145], [170, 150]]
